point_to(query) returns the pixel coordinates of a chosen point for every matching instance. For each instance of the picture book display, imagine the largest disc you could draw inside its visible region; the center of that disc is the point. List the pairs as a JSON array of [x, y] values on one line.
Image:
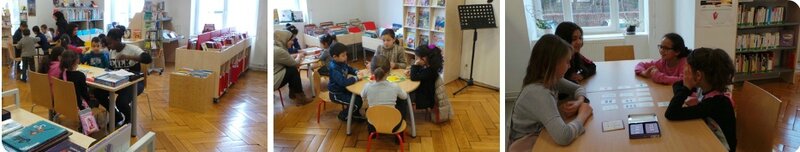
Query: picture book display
[[411, 19], [411, 40], [424, 40], [439, 24], [425, 20], [38, 136]]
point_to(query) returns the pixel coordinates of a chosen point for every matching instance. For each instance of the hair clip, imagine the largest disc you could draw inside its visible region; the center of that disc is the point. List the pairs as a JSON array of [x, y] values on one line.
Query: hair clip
[[431, 46]]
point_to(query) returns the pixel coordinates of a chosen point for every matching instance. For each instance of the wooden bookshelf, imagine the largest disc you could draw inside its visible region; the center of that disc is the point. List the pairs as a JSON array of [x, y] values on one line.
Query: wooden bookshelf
[[426, 28], [784, 57], [84, 17], [229, 63]]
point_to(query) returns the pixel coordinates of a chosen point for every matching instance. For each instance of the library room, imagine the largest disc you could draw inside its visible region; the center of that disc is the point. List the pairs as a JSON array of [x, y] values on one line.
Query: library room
[[387, 75], [134, 75], [695, 75]]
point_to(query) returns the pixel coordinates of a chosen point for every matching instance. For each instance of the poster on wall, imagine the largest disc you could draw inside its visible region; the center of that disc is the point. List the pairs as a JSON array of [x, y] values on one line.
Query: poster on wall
[[31, 7], [710, 4]]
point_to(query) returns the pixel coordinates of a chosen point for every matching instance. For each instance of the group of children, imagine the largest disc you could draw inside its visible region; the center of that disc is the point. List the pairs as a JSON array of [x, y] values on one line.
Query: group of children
[[551, 90]]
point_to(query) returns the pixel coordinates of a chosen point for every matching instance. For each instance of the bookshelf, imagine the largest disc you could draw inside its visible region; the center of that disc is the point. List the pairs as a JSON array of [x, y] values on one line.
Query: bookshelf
[[766, 41], [85, 17], [434, 22]]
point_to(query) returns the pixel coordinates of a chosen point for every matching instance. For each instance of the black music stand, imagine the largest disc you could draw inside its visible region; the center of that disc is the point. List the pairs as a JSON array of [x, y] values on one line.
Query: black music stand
[[476, 16]]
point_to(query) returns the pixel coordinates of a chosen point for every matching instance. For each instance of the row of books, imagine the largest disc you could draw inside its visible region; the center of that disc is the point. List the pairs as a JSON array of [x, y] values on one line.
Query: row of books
[[39, 136], [424, 20], [765, 40], [82, 14], [194, 72], [759, 15], [755, 62], [413, 40], [354, 26], [439, 3]]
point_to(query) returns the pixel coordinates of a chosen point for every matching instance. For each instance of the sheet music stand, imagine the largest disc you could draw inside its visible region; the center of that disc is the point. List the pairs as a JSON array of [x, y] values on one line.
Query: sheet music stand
[[476, 16]]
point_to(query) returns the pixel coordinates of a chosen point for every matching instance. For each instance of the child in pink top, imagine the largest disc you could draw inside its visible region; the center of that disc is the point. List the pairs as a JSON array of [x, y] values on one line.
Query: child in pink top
[[668, 69]]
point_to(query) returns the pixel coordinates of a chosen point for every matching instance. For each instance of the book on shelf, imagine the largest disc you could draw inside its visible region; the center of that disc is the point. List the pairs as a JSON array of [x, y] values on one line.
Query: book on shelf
[[438, 40], [411, 40], [425, 20], [440, 3], [789, 60], [310, 28], [326, 24], [337, 30], [759, 15], [356, 23], [439, 23], [369, 25], [411, 19], [38, 136], [410, 2], [754, 62], [66, 146], [758, 41], [425, 2], [424, 40], [787, 39], [342, 24], [396, 26]]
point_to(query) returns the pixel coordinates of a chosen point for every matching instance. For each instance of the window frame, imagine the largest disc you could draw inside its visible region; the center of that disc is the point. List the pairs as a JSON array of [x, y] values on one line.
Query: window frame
[[566, 8]]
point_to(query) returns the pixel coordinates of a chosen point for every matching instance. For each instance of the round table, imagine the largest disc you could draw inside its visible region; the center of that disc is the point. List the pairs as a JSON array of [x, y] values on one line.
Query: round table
[[407, 85]]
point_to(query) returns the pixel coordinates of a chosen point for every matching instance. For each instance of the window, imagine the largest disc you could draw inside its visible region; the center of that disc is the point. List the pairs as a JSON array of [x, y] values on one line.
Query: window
[[121, 11], [241, 14], [594, 16]]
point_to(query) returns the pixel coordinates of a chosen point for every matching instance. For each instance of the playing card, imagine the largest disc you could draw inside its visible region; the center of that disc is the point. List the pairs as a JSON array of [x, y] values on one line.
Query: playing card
[[627, 94], [629, 100], [643, 90], [608, 101], [629, 106], [609, 95], [644, 99], [641, 85], [613, 125], [610, 107], [643, 94], [623, 87], [663, 104], [644, 104]]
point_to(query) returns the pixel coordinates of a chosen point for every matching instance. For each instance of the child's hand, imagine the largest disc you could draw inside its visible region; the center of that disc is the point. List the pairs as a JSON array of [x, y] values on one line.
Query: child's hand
[[576, 77], [646, 72], [407, 72], [392, 65], [569, 108], [691, 101], [653, 71]]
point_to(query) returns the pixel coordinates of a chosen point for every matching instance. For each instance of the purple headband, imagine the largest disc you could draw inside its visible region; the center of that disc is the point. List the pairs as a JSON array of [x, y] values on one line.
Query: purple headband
[[431, 46]]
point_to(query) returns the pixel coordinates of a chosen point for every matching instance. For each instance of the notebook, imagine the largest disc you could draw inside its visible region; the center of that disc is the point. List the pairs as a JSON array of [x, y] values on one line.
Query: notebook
[[36, 137]]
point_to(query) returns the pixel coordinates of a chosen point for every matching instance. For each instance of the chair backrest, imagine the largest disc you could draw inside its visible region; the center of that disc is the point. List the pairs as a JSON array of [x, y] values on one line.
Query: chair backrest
[[144, 71], [65, 98], [384, 118], [147, 141], [40, 82], [11, 53], [119, 140], [756, 109], [616, 53]]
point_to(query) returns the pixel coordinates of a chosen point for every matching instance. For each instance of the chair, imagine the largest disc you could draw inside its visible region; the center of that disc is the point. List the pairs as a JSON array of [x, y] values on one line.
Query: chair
[[119, 140], [148, 140], [40, 82], [616, 53], [384, 119], [280, 94], [65, 98], [147, 95], [14, 59], [756, 109]]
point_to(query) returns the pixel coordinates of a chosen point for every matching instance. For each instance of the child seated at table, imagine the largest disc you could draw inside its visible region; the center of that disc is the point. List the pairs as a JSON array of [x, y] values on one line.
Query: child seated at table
[[98, 57], [704, 90], [581, 67], [69, 66], [341, 76], [326, 41], [65, 42], [383, 92], [426, 70], [54, 69], [391, 49], [536, 106], [668, 69]]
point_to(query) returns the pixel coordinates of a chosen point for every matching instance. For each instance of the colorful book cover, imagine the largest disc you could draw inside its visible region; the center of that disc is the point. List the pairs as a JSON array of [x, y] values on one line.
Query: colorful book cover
[[66, 146], [411, 19], [411, 40], [33, 137], [438, 40], [440, 3], [424, 40], [425, 20], [310, 28], [439, 23], [410, 2], [426, 2]]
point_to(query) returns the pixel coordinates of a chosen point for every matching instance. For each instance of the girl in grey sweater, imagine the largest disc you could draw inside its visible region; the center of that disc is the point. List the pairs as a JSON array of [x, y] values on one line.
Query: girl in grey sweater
[[537, 106], [391, 49]]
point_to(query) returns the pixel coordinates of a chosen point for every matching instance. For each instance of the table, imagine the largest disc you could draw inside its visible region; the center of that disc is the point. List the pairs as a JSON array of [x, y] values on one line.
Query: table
[[308, 61], [686, 135], [407, 85], [26, 118], [92, 72]]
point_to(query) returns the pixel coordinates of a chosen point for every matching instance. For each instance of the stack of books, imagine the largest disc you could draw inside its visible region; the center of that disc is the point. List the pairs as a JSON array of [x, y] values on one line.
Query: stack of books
[[39, 136]]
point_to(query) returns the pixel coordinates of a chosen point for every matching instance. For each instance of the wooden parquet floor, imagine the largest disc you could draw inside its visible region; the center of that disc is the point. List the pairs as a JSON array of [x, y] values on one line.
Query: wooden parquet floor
[[237, 123], [475, 126]]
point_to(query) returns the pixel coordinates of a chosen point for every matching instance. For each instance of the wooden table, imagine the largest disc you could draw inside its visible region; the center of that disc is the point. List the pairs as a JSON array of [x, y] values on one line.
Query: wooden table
[[308, 61], [686, 135], [26, 118], [92, 72], [407, 85]]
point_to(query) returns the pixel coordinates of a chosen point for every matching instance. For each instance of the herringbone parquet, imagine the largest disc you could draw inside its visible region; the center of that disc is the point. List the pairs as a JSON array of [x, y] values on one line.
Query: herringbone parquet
[[475, 126], [237, 123]]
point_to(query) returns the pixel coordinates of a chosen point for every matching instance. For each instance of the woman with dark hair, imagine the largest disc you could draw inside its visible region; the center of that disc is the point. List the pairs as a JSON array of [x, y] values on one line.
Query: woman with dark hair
[[73, 35], [580, 66], [668, 69], [61, 24]]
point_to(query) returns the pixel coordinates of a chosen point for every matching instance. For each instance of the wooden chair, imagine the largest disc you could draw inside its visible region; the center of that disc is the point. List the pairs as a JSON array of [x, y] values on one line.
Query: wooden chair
[[280, 94], [384, 119], [147, 141], [14, 59], [756, 109], [616, 53], [65, 98], [40, 83], [119, 140], [147, 95]]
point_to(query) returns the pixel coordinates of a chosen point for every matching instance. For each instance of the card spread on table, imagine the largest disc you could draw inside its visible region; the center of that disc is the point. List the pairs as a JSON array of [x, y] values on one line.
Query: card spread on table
[[644, 99], [629, 100], [629, 106], [609, 95], [627, 94], [640, 94], [610, 107], [613, 125], [624, 87], [640, 85], [643, 90], [608, 101], [663, 103], [644, 104]]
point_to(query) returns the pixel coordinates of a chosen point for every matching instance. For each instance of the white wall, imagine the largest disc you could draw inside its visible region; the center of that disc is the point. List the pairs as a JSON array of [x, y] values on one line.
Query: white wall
[[258, 58], [44, 12], [518, 47], [180, 12], [383, 12], [335, 10], [487, 51]]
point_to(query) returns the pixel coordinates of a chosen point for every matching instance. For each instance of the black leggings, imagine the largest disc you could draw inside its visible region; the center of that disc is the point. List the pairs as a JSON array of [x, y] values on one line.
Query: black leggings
[[292, 77], [124, 98]]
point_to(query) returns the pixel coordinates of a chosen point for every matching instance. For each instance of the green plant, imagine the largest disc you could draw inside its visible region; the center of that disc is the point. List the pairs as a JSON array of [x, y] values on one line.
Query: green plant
[[544, 24]]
